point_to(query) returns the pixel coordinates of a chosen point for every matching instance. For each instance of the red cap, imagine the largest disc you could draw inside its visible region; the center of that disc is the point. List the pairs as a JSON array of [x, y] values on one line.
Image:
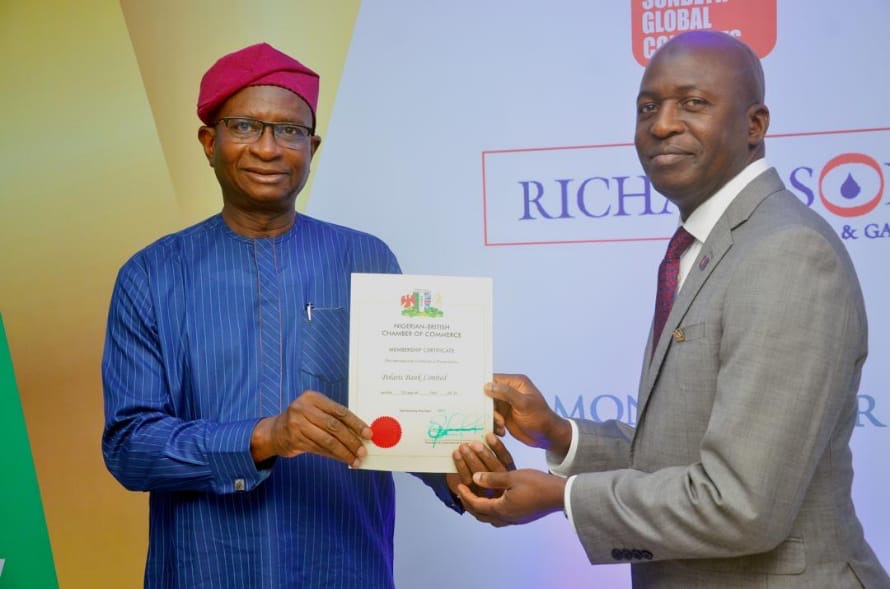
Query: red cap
[[256, 65]]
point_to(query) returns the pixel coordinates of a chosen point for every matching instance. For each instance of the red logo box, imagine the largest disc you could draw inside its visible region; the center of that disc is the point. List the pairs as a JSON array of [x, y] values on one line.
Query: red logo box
[[653, 22]]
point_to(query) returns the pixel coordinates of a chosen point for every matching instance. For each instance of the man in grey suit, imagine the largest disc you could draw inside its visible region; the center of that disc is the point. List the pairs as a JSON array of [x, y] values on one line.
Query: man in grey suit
[[739, 472]]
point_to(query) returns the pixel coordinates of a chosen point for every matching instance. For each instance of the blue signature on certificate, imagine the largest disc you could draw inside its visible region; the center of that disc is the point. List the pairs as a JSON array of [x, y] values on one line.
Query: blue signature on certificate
[[451, 425]]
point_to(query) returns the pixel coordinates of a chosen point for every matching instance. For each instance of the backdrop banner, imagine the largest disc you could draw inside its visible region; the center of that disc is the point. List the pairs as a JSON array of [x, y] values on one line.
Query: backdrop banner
[[26, 559]]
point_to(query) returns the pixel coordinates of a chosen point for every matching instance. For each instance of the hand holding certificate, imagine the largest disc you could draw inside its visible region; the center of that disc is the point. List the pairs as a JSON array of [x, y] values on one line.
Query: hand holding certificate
[[419, 355]]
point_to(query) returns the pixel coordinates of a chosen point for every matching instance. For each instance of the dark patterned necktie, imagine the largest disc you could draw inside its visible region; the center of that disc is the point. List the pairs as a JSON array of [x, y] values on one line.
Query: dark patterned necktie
[[668, 275]]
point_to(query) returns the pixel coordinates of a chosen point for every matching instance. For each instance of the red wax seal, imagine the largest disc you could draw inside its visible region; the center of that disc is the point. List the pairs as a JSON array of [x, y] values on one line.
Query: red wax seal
[[387, 432]]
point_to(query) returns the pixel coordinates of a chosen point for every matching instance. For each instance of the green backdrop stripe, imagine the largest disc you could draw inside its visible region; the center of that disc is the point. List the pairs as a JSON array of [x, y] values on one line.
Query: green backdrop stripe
[[26, 559]]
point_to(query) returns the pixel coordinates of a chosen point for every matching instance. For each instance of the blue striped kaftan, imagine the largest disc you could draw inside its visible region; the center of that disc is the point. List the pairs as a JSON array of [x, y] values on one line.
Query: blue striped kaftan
[[207, 333]]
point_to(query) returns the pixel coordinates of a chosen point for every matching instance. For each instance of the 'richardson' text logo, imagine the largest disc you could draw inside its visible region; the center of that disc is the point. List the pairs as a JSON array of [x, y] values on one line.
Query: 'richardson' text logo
[[598, 193], [624, 408], [591, 193]]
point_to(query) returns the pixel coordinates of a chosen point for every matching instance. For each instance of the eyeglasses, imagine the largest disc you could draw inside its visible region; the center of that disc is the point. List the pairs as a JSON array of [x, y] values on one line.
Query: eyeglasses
[[249, 130]]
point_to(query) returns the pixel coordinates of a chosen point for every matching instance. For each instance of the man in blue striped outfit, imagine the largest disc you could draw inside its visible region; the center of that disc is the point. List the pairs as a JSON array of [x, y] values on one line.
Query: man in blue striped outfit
[[225, 364]]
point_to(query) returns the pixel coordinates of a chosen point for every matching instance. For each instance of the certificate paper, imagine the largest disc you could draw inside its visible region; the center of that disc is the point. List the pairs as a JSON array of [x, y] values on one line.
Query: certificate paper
[[419, 355]]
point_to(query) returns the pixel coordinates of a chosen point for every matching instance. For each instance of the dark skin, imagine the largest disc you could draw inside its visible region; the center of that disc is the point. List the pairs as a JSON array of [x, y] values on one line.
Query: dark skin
[[522, 495], [700, 121], [260, 183], [700, 117], [474, 458]]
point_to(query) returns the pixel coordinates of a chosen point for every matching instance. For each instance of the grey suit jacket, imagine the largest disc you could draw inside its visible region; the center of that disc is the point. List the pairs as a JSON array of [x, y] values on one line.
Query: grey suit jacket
[[739, 471]]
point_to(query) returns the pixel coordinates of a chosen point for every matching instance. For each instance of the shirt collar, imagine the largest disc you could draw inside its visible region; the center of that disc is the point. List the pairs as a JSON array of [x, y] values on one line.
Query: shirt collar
[[705, 217]]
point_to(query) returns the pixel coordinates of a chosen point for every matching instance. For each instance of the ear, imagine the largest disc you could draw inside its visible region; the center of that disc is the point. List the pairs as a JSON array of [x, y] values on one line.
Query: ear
[[207, 137], [758, 123], [316, 143]]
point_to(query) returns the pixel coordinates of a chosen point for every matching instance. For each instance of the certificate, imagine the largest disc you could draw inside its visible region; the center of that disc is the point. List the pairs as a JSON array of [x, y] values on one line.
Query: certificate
[[419, 355]]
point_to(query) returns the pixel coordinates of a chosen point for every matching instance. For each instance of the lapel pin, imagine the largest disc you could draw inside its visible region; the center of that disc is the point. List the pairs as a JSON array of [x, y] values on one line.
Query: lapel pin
[[703, 263], [679, 335]]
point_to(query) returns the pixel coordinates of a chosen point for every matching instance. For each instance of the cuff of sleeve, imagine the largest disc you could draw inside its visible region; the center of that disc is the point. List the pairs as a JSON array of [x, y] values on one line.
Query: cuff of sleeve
[[567, 502], [561, 467], [231, 464]]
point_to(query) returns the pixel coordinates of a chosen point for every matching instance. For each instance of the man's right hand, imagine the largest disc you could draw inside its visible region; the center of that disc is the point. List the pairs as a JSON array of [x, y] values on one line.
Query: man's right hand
[[526, 414], [311, 423]]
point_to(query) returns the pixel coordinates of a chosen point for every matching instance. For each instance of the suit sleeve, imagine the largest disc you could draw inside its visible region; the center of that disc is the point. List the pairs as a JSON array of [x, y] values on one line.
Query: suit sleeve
[[600, 446], [791, 349]]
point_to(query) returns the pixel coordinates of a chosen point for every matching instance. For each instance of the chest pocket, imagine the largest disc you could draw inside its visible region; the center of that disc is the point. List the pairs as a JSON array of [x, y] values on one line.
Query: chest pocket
[[326, 344]]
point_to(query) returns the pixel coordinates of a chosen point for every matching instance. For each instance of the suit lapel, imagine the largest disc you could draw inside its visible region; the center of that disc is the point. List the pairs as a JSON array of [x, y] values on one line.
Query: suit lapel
[[712, 253]]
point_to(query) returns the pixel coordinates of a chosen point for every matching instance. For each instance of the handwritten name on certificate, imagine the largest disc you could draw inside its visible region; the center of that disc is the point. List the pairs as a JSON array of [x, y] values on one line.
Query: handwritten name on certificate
[[419, 355]]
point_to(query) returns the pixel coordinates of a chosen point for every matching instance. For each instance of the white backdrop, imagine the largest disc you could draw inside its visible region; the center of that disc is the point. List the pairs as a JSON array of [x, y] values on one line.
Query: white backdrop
[[444, 137]]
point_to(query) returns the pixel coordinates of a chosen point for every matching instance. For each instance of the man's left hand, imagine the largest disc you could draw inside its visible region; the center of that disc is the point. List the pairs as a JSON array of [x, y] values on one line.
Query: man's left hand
[[524, 496]]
